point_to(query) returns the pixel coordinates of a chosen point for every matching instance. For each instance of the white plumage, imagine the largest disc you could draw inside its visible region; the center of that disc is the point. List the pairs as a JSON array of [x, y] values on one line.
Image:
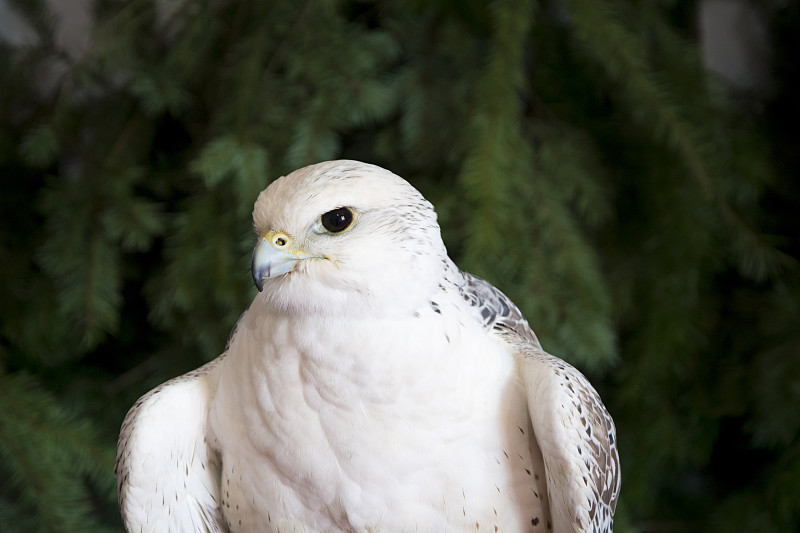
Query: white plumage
[[371, 386]]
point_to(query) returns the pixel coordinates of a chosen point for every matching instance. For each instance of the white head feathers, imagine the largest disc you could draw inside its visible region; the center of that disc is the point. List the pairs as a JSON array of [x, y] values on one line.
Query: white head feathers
[[391, 252]]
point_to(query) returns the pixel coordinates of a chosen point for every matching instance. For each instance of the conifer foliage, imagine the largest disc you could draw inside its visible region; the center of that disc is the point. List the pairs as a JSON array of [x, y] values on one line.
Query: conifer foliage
[[578, 157]]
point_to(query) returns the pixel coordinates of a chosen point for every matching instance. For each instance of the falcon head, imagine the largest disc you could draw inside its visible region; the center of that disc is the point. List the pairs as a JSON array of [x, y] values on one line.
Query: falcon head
[[348, 238]]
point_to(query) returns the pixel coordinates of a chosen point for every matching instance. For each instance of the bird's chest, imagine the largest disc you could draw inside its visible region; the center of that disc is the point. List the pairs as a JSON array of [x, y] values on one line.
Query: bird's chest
[[393, 427]]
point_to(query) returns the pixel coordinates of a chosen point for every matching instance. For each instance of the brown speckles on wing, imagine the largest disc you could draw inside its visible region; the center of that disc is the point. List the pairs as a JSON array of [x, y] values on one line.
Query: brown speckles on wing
[[493, 309], [579, 446], [572, 426]]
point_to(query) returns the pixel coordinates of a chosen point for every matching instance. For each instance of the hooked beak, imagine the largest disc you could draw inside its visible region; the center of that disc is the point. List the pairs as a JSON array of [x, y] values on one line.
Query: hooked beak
[[273, 257]]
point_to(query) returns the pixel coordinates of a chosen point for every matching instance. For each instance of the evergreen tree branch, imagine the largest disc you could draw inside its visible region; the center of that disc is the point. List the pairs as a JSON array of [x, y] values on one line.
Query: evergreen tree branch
[[498, 149], [47, 452], [621, 54]]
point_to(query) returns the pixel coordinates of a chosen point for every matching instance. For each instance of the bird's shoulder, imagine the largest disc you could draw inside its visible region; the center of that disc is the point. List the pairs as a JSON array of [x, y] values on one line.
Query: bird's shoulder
[[488, 306]]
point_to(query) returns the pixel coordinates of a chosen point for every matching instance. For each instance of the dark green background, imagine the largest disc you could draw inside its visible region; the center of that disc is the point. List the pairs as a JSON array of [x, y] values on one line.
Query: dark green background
[[642, 215]]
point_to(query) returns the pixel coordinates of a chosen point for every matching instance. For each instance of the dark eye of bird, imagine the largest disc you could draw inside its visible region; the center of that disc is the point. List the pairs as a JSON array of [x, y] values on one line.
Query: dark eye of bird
[[337, 220]]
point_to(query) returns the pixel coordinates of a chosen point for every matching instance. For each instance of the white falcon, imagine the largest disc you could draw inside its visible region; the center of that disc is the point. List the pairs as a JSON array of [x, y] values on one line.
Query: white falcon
[[371, 386]]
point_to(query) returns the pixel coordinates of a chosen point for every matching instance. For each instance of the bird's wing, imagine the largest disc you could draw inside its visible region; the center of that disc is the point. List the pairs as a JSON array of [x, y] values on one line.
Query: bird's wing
[[573, 429], [578, 442], [167, 475]]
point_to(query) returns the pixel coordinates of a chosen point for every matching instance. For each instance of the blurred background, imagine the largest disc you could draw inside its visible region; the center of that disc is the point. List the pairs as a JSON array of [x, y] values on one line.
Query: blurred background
[[625, 170]]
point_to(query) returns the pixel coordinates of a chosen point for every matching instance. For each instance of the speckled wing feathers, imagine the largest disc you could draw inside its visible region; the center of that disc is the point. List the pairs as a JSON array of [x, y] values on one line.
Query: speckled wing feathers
[[496, 311], [572, 426], [167, 474]]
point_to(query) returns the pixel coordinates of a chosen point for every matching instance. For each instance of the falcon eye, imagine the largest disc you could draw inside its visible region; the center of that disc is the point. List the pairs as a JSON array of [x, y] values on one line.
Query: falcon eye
[[337, 220]]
